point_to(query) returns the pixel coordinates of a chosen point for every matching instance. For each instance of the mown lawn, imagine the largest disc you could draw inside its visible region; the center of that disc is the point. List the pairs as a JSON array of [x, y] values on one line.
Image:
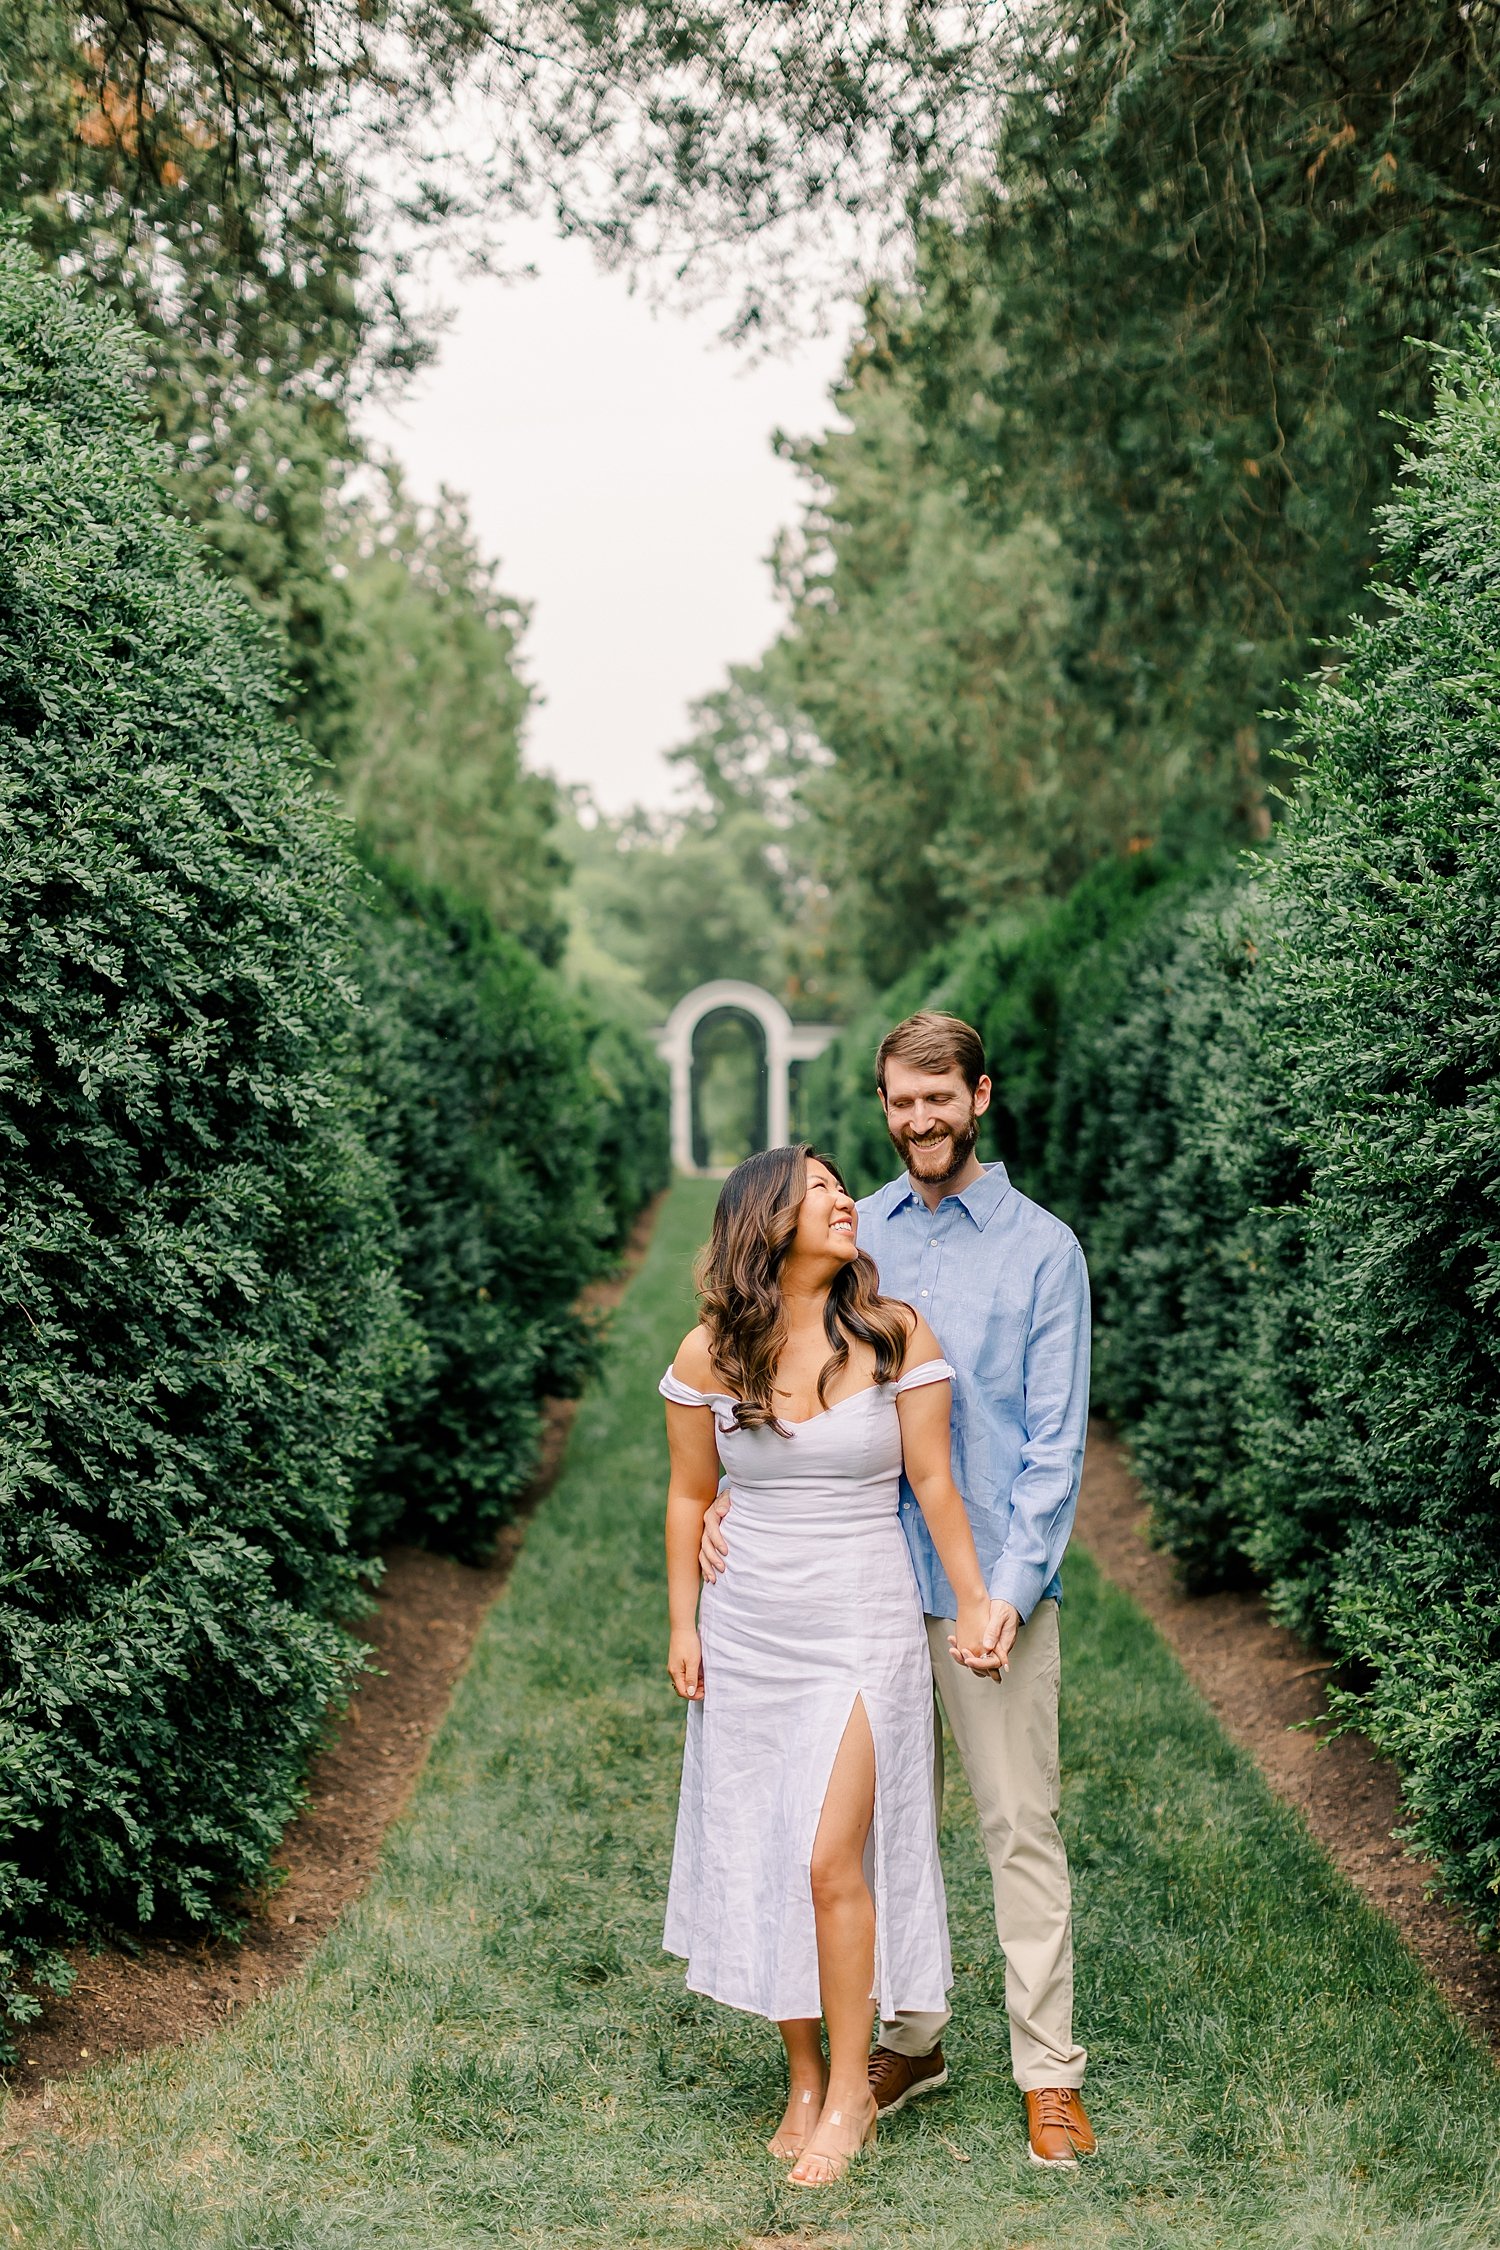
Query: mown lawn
[[492, 2049]]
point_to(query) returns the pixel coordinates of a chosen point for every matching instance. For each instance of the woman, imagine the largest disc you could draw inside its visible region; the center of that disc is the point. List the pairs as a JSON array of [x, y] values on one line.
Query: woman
[[809, 1750]]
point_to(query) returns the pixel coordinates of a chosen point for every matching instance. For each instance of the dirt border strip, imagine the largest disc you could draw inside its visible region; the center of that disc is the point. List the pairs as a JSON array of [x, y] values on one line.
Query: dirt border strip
[[1263, 1684], [427, 1615]]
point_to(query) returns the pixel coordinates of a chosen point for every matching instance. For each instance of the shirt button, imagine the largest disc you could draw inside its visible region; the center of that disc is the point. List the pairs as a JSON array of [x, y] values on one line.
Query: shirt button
[[924, 1292]]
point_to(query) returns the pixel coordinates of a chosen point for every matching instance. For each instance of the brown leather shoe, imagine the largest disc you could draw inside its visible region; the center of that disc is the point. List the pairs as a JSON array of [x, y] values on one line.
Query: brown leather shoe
[[896, 2079], [1058, 2131]]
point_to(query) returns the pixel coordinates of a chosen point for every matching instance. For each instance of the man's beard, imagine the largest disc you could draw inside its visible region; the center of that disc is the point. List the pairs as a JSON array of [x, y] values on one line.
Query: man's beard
[[946, 1153]]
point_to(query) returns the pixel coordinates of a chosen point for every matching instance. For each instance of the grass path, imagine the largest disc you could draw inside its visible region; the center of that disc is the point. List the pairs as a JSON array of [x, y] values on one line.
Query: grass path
[[492, 2049]]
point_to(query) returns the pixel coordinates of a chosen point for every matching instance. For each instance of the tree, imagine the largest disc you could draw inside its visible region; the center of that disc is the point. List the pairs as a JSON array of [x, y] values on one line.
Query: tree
[[432, 772], [1178, 330], [923, 650], [180, 162], [1112, 461], [725, 886]]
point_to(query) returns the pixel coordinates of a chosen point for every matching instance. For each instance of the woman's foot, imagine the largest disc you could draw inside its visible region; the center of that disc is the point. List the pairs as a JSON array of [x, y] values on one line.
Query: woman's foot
[[842, 2131], [803, 2105]]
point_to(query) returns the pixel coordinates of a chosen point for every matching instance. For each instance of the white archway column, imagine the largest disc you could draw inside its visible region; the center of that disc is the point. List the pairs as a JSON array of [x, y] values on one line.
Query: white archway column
[[682, 1110], [786, 1043], [778, 1086]]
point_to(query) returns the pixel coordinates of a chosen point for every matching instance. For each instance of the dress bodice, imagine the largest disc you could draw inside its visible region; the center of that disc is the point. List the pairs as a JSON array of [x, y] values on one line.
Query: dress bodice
[[849, 1452]]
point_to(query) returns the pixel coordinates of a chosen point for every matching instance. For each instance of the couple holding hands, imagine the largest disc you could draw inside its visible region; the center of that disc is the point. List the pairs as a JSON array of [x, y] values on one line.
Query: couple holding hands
[[896, 1392]]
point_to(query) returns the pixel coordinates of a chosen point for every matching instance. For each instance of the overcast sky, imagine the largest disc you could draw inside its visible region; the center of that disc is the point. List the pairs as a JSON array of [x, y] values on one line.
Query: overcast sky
[[617, 459]]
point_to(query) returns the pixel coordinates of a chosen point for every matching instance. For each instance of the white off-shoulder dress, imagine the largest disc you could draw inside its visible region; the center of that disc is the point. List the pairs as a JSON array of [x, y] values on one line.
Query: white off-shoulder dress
[[818, 1608]]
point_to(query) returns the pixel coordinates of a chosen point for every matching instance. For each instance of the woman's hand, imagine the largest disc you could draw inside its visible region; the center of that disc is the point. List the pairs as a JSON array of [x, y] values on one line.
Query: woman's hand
[[685, 1664], [966, 1642], [1002, 1623]]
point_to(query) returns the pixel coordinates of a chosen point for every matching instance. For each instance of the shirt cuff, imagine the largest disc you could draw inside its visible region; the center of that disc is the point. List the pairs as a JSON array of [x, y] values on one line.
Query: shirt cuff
[[1020, 1584]]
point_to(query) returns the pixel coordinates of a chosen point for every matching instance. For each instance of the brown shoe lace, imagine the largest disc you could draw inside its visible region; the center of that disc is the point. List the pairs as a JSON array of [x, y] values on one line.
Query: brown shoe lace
[[1052, 2103]]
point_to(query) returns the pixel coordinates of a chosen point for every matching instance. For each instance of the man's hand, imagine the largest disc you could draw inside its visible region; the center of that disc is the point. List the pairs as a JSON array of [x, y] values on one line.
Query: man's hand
[[713, 1553], [1000, 1632]]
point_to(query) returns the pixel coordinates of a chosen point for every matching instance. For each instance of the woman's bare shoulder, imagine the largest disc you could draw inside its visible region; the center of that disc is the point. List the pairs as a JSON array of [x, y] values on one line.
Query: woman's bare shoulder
[[692, 1362]]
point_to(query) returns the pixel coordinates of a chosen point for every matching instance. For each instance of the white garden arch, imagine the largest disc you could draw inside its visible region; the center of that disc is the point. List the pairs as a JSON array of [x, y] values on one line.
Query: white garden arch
[[786, 1043]]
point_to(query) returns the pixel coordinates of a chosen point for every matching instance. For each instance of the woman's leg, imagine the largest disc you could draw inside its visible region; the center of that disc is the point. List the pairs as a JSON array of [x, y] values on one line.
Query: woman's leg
[[845, 1915], [807, 2080]]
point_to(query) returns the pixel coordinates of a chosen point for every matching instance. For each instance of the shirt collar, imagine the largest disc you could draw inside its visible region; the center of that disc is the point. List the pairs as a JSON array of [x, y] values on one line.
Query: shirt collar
[[982, 1198]]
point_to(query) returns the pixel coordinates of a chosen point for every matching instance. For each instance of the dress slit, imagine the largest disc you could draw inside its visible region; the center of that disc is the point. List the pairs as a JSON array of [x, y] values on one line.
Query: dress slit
[[876, 1871], [827, 1760]]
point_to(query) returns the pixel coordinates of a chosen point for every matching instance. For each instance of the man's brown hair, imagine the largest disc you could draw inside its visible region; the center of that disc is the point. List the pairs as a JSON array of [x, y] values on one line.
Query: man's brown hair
[[930, 1040]]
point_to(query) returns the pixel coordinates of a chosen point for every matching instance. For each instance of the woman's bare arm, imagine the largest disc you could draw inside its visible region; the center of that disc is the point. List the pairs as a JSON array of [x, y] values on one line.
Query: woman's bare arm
[[691, 1485]]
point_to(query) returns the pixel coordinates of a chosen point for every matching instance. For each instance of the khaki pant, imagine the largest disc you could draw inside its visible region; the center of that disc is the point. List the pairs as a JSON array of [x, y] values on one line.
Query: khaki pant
[[1006, 1735]]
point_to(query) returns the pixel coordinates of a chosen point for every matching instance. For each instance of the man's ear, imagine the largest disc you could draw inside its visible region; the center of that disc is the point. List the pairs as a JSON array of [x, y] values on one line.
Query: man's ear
[[982, 1093]]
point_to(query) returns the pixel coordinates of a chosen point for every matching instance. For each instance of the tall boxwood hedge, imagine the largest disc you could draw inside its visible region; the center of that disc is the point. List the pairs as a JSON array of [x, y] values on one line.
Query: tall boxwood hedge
[[1384, 1021], [301, 1170], [633, 1154], [520, 1139], [1269, 1100], [198, 1320]]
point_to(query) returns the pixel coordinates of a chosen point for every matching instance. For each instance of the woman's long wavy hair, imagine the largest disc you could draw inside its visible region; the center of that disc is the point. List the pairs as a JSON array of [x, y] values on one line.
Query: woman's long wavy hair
[[739, 1288]]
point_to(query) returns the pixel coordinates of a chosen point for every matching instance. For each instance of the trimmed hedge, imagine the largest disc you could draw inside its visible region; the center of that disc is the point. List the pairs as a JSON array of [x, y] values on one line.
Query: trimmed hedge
[[198, 1317], [632, 1113], [216, 1151], [521, 1139], [1383, 1022], [1267, 1100]]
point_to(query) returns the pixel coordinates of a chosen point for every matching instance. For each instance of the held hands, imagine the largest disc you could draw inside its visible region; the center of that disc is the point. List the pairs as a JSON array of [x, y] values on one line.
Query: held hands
[[966, 1641], [984, 1636], [685, 1664]]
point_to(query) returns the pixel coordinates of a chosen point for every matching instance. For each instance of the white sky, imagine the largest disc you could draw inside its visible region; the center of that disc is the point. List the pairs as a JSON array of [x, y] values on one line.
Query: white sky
[[617, 459]]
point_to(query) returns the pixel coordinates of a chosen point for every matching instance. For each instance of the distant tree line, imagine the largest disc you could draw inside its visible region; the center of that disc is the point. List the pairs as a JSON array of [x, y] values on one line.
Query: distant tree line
[[1112, 460], [205, 174], [1117, 426], [1110, 455]]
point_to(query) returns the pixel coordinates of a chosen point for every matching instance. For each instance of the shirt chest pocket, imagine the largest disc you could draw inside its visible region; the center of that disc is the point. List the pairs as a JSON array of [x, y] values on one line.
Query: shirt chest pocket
[[998, 1347]]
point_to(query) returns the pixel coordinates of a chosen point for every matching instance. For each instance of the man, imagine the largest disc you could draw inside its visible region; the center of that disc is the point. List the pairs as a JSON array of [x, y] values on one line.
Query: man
[[1004, 1285]]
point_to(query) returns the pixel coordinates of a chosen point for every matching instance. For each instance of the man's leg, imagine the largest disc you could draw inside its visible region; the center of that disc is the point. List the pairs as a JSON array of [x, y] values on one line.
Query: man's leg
[[1005, 1732], [908, 2059]]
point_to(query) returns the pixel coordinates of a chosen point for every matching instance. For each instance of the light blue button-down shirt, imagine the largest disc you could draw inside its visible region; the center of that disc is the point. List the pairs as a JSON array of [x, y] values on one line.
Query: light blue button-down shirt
[[1004, 1286]]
